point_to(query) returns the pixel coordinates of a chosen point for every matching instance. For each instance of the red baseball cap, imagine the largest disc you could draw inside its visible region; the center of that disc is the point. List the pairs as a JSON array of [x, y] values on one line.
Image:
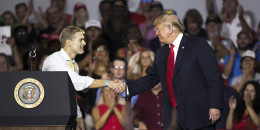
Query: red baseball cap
[[79, 5]]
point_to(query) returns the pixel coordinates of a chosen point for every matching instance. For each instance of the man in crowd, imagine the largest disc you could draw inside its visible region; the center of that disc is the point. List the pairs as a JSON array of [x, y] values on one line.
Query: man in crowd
[[234, 20]]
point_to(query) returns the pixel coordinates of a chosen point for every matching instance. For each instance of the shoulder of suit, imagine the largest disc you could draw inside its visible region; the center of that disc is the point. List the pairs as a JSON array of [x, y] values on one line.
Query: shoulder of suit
[[196, 40], [162, 48], [54, 56]]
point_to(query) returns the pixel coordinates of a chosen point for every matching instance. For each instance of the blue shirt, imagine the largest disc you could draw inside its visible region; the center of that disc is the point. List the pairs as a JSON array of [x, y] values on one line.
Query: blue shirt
[[257, 53], [236, 66]]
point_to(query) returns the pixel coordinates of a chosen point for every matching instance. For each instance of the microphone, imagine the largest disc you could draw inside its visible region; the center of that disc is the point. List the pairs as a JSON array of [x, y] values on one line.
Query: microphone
[[32, 56], [125, 41]]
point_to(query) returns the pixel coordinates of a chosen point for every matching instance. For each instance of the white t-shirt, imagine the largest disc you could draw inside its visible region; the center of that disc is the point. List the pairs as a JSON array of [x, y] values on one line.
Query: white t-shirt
[[230, 30], [236, 80]]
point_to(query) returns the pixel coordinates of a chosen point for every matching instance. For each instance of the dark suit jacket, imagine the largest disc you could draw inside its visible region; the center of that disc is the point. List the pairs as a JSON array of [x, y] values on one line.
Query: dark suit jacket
[[197, 83]]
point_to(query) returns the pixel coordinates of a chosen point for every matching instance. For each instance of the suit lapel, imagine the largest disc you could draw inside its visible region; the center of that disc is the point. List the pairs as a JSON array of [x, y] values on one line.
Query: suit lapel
[[165, 53], [180, 54]]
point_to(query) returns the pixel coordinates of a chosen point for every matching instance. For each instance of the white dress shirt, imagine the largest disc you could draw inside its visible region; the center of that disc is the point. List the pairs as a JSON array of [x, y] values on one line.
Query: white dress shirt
[[176, 44], [59, 61]]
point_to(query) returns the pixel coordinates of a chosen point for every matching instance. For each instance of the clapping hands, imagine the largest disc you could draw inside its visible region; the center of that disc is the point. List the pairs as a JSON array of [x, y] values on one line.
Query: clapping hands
[[248, 100]]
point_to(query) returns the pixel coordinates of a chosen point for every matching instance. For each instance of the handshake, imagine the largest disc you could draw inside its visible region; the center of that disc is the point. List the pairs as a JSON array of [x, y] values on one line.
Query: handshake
[[117, 86]]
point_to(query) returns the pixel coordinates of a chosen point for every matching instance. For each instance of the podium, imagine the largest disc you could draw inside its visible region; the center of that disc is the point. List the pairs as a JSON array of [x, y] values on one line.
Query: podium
[[37, 100]]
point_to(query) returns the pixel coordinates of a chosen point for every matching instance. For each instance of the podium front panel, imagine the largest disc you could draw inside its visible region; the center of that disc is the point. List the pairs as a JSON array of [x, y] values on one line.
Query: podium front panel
[[58, 106]]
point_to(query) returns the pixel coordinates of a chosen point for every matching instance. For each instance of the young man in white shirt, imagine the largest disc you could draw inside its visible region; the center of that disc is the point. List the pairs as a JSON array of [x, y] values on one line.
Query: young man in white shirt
[[72, 43]]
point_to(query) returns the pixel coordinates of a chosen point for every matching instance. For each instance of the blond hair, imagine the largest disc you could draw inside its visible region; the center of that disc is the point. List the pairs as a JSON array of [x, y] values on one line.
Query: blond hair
[[140, 67], [68, 34], [169, 20]]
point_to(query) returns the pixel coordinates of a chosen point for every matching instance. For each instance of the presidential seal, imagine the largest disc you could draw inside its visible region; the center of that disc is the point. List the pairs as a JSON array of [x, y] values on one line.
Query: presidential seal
[[29, 93]]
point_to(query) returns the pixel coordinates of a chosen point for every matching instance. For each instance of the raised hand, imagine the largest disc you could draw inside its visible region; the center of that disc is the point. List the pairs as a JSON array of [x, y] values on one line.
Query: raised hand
[[232, 50], [223, 14], [240, 10], [232, 103], [80, 124], [10, 41]]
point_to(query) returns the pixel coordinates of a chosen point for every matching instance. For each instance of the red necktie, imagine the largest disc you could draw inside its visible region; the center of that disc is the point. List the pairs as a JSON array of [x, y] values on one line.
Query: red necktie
[[169, 76]]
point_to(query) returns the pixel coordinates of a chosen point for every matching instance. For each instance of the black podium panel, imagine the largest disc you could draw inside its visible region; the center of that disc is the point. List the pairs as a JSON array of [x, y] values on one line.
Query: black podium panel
[[58, 106]]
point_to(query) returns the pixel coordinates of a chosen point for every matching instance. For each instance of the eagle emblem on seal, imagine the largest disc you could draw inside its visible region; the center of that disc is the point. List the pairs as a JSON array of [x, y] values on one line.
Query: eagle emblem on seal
[[28, 93]]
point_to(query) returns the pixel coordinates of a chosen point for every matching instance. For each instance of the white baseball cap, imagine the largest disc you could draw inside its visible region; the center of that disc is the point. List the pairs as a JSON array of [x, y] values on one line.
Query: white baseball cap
[[93, 23], [248, 53]]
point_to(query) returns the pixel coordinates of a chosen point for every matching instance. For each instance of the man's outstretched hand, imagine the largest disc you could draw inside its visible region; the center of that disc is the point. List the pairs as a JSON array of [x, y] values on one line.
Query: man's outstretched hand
[[117, 86]]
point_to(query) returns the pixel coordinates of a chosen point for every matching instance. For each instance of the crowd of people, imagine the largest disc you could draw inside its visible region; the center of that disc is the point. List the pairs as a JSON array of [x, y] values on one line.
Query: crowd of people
[[229, 33]]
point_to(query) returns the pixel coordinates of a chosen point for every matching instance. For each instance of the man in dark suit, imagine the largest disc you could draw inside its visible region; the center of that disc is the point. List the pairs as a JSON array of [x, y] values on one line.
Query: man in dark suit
[[192, 86]]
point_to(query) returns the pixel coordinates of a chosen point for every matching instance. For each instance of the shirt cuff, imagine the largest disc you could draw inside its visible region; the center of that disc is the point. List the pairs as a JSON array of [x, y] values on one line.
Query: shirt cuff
[[79, 114]]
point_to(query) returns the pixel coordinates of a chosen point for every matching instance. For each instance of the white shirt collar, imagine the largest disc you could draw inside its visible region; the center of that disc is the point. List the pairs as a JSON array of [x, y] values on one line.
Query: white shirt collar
[[177, 41], [65, 55]]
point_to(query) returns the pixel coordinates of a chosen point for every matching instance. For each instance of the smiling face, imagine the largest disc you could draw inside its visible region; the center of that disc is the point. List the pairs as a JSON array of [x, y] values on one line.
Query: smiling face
[[100, 52], [243, 41], [21, 12], [248, 63], [92, 33], [213, 28], [3, 64], [163, 33], [81, 12], [60, 4], [250, 91], [54, 15], [108, 94], [9, 19], [230, 5], [145, 5], [78, 43], [146, 59], [118, 69]]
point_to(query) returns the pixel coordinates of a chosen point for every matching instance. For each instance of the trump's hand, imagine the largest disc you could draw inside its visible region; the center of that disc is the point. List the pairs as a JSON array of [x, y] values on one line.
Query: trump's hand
[[117, 86], [80, 124], [214, 114]]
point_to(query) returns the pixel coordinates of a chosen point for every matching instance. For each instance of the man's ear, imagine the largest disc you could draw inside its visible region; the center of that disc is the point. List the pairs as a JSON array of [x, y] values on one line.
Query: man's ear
[[68, 42], [170, 30]]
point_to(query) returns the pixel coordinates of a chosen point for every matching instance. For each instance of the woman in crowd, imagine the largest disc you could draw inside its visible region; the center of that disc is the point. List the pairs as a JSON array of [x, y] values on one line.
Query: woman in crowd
[[245, 114], [23, 12], [98, 64], [147, 28], [98, 61], [139, 64], [4, 63], [135, 42], [9, 18], [193, 24], [108, 115], [80, 16], [93, 33]]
